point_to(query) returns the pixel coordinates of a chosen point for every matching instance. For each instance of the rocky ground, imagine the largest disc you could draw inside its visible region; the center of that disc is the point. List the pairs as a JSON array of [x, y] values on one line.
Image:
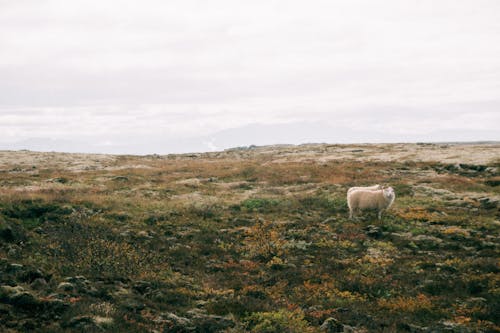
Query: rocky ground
[[252, 239]]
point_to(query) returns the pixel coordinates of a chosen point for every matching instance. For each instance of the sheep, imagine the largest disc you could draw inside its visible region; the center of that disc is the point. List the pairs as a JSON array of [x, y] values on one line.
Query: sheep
[[368, 188], [379, 200]]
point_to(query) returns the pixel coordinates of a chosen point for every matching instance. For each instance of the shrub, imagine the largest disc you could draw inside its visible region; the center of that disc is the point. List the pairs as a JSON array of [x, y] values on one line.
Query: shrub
[[249, 173], [278, 321], [321, 203], [206, 210], [264, 241], [79, 248], [420, 305], [403, 190], [32, 213], [260, 204]]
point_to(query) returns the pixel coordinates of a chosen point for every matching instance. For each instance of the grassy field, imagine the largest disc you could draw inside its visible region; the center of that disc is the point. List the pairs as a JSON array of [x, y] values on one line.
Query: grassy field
[[252, 239]]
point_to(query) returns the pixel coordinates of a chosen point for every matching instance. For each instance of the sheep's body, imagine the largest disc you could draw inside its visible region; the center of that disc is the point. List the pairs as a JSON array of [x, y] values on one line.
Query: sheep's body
[[379, 200], [368, 188]]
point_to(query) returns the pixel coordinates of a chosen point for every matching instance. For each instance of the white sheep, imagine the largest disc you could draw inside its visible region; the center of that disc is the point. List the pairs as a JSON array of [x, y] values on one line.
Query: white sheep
[[368, 188], [379, 200]]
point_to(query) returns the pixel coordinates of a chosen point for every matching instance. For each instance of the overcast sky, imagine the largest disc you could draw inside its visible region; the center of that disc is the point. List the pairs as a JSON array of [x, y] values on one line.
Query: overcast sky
[[176, 76]]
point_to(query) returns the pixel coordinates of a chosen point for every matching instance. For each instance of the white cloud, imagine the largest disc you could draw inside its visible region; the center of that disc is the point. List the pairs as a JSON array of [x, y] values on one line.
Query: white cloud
[[184, 69]]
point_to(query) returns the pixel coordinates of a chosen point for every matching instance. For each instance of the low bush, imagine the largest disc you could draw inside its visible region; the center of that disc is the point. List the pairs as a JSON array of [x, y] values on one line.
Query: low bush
[[291, 321]]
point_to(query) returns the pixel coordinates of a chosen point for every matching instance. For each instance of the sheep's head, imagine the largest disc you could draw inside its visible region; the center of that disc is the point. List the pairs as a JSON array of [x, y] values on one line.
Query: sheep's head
[[389, 193]]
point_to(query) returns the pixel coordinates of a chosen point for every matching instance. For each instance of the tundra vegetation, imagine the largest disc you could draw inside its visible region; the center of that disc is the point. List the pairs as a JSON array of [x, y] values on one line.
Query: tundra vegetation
[[252, 239]]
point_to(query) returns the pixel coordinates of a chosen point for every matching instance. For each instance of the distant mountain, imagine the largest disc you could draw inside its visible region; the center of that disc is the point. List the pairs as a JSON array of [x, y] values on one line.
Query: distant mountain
[[252, 134]]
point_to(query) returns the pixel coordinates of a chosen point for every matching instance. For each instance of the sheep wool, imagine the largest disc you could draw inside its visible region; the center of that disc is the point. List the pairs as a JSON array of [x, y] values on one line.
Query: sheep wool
[[368, 188], [379, 200]]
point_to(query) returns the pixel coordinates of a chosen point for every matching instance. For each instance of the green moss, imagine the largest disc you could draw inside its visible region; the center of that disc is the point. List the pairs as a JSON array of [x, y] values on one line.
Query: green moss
[[260, 204], [278, 321]]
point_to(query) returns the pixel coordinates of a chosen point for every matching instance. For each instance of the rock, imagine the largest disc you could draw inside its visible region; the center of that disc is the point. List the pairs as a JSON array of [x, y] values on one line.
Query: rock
[[492, 170], [450, 326], [459, 203], [373, 231], [174, 323], [79, 279], [60, 180], [349, 329], [126, 233], [6, 234], [103, 322], [330, 220], [427, 241], [332, 325], [413, 328], [66, 286], [444, 267], [14, 268], [473, 167], [81, 284], [28, 325], [489, 203], [82, 323], [120, 291], [132, 304], [31, 275], [39, 284], [5, 309], [191, 182], [144, 234], [14, 251], [430, 191], [11, 232], [492, 182], [141, 286], [401, 235], [57, 296], [24, 300], [201, 303], [158, 296], [55, 306], [211, 323], [120, 178], [196, 312], [6, 291], [18, 297], [487, 245], [477, 300]]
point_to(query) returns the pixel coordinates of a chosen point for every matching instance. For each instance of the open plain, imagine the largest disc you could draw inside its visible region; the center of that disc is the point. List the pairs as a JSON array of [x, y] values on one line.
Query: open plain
[[251, 239]]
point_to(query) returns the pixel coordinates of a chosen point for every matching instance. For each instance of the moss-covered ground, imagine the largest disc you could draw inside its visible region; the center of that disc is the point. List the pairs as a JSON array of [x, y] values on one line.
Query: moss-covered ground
[[247, 240]]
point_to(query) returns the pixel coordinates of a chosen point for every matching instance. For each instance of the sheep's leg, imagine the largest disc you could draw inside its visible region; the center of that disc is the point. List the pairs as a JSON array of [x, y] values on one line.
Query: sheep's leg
[[356, 213], [353, 212], [380, 214]]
